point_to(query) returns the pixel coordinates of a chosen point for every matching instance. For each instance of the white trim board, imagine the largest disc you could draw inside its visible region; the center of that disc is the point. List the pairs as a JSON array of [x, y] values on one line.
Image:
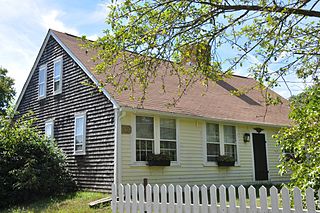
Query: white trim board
[[69, 52]]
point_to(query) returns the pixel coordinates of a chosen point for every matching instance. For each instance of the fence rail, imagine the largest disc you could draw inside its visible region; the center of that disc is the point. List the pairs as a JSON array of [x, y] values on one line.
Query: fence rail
[[177, 199]]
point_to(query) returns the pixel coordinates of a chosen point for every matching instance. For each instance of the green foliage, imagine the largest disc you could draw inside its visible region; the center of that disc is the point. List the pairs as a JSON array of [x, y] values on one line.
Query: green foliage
[[300, 142], [7, 91], [31, 166], [272, 38]]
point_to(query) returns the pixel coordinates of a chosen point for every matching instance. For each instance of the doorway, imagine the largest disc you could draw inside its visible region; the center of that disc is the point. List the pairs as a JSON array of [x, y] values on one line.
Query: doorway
[[260, 156]]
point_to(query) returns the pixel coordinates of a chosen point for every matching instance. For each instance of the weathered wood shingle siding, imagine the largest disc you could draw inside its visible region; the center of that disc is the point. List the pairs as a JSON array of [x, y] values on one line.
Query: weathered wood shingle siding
[[95, 169]]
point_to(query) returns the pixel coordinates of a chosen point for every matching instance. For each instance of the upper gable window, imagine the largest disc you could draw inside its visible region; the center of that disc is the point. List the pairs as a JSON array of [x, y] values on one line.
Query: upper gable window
[[42, 81], [57, 76]]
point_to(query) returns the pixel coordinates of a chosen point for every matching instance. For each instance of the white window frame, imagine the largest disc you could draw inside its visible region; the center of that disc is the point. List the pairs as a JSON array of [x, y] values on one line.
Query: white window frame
[[77, 116], [156, 129], [55, 61], [44, 69], [222, 143], [47, 123]]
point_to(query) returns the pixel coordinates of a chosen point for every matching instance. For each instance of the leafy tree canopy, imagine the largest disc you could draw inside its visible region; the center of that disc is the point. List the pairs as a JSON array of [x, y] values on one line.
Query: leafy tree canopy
[[7, 91], [282, 37], [300, 142]]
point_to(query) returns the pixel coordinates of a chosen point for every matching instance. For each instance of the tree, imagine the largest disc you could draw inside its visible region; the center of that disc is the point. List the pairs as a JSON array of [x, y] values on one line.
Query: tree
[[300, 142], [31, 165], [281, 36], [7, 91]]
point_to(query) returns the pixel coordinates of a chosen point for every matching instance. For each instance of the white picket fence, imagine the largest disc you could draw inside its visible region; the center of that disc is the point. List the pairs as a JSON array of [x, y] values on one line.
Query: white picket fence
[[175, 199]]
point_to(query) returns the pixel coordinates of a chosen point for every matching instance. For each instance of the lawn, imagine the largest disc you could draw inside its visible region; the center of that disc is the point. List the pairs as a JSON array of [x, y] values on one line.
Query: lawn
[[77, 202]]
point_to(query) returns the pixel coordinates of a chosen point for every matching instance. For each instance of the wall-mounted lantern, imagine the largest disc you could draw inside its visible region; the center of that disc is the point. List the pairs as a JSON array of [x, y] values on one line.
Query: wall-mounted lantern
[[246, 137], [258, 129]]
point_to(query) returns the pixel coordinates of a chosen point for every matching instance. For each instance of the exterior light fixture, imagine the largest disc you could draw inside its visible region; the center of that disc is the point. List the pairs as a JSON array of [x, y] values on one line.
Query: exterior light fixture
[[246, 137], [258, 129]]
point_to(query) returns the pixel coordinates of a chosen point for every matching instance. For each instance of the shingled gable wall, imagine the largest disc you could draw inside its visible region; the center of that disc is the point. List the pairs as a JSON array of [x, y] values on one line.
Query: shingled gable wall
[[95, 170]]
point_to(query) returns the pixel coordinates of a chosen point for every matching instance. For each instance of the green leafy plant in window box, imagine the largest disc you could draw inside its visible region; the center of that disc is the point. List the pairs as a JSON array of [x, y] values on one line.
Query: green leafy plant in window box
[[158, 160], [225, 160]]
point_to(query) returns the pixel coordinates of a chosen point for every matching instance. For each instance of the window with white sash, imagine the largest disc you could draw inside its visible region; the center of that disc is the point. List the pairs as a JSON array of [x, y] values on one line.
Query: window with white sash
[[154, 135], [57, 75], [80, 134], [42, 84], [49, 129], [220, 140]]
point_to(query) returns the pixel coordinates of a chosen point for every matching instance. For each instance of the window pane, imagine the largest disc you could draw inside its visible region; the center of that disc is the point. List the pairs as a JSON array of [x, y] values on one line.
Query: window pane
[[169, 148], [79, 147], [48, 130], [143, 149], [231, 150], [57, 85], [79, 126], [229, 134], [213, 151], [168, 129], [41, 76], [213, 132], [144, 127], [41, 90], [79, 139], [57, 68]]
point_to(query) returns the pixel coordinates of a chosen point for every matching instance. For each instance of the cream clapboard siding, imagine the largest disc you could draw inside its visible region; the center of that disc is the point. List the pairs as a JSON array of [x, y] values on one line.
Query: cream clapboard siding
[[191, 168]]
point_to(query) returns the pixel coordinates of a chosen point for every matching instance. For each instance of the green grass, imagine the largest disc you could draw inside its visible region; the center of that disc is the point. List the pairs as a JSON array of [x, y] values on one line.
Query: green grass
[[76, 202]]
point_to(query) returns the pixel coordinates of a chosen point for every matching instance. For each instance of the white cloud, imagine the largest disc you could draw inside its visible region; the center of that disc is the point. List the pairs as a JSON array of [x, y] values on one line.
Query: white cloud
[[51, 20]]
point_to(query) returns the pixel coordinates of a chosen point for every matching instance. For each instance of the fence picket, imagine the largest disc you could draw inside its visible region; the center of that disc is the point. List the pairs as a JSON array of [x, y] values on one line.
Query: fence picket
[[310, 200], [195, 192], [141, 198], [242, 199], [187, 194], [297, 199], [156, 198], [134, 198], [148, 199], [128, 198], [213, 199], [223, 202], [253, 199], [121, 201], [204, 199], [171, 199], [163, 206], [319, 198], [285, 200], [179, 199], [274, 199], [114, 198], [232, 199], [263, 199]]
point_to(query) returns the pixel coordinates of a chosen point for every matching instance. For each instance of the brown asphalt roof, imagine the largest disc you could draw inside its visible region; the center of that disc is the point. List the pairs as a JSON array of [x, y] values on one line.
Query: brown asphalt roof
[[215, 103]]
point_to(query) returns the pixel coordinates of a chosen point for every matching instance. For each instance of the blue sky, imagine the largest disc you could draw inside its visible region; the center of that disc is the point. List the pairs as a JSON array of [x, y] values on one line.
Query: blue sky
[[24, 24]]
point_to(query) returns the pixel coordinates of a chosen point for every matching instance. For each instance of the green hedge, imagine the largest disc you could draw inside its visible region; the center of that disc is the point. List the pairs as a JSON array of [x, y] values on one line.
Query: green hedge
[[31, 166]]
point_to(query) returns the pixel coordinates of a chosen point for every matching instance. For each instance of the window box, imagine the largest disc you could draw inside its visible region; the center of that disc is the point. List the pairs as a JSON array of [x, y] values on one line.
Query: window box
[[225, 160], [158, 160]]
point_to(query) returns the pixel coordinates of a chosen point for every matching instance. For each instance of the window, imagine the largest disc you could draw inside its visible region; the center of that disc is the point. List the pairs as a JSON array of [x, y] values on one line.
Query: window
[[220, 140], [57, 76], [168, 142], [42, 81], [213, 142], [80, 134], [155, 135], [49, 129], [144, 137], [230, 141]]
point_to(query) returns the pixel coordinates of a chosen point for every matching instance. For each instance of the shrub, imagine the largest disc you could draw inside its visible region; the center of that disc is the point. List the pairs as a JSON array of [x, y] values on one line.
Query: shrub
[[31, 165]]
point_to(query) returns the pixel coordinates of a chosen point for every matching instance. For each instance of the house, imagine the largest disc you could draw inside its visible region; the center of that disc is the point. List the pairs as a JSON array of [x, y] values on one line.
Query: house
[[107, 138]]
